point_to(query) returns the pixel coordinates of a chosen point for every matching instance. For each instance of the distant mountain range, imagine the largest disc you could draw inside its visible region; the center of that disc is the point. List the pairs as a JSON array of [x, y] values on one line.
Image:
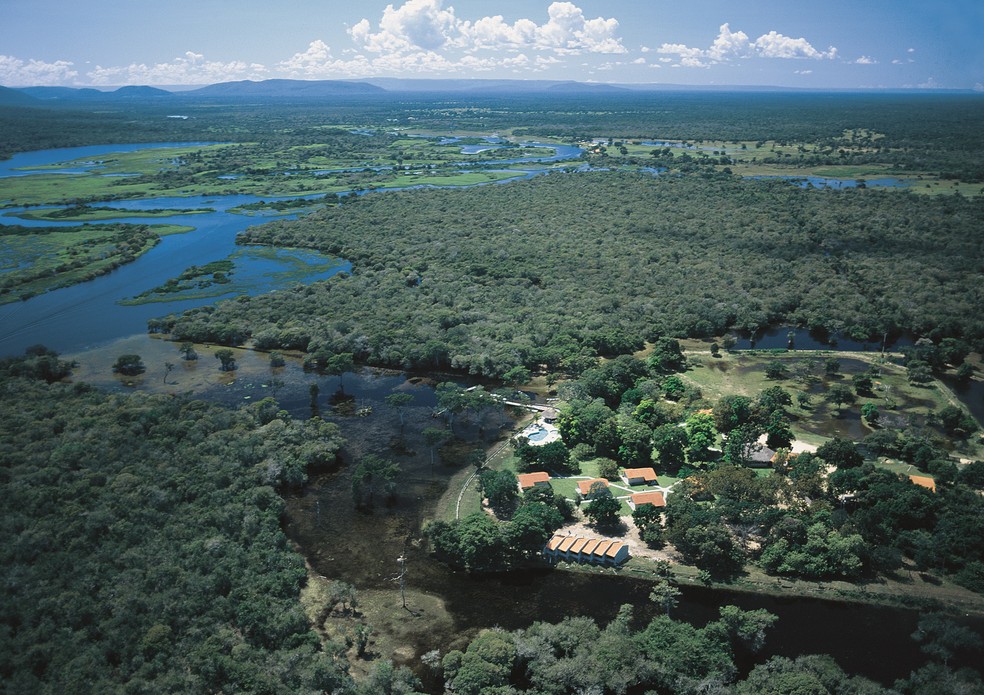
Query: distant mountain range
[[322, 89]]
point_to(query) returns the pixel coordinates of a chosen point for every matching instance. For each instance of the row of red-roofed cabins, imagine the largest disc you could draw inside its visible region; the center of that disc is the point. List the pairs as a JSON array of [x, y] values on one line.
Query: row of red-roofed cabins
[[588, 550]]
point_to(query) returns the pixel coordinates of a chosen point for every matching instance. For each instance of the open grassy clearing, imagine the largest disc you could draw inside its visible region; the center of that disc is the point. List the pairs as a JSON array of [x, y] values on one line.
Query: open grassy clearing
[[900, 403]]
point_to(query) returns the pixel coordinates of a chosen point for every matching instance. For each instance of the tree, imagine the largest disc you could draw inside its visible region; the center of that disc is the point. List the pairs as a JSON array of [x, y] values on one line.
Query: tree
[[774, 398], [964, 372], [669, 446], [168, 368], [607, 468], [778, 429], [711, 547], [942, 638], [502, 490], [187, 351], [863, 385], [715, 350], [701, 436], [399, 401], [226, 359], [517, 376], [664, 594], [839, 394], [738, 445], [667, 357], [840, 453], [603, 511], [832, 366], [435, 436], [869, 411], [336, 365], [129, 365], [776, 370], [732, 411], [277, 360], [371, 475]]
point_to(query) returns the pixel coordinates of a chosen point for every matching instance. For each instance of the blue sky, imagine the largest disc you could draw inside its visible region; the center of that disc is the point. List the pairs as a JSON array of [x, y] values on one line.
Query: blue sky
[[832, 44]]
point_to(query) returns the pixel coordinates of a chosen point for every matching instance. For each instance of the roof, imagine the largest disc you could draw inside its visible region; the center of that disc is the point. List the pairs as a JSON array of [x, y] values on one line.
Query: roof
[[654, 498], [614, 549], [530, 479], [567, 543], [924, 481], [647, 474], [579, 544], [555, 542], [585, 485], [602, 548], [590, 546]]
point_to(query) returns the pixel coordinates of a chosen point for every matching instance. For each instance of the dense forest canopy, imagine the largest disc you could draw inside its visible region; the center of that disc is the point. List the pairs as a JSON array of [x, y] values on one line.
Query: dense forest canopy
[[540, 272], [141, 544]]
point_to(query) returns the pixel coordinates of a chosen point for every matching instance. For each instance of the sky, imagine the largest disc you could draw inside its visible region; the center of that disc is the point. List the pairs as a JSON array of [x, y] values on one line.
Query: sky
[[835, 44]]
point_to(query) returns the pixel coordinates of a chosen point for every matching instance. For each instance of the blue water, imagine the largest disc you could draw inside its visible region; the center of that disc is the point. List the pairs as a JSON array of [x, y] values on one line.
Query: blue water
[[537, 435]]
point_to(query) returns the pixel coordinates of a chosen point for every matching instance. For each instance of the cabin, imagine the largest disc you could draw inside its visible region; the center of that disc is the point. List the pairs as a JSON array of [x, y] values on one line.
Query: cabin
[[528, 481], [639, 499], [759, 456], [585, 550], [584, 488], [639, 476]]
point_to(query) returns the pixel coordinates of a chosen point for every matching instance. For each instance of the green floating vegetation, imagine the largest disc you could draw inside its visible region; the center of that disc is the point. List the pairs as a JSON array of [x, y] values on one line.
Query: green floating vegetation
[[195, 277]]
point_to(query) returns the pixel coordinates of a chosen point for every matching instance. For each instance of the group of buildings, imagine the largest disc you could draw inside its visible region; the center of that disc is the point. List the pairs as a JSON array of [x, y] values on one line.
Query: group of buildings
[[592, 550]]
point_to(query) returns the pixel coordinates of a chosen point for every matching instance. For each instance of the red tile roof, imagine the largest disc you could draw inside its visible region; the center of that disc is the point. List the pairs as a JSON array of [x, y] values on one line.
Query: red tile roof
[[654, 498], [647, 474], [528, 480], [585, 485]]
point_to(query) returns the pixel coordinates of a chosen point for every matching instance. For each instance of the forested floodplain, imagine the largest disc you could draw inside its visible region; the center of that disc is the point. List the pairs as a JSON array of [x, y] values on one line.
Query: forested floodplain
[[551, 272]]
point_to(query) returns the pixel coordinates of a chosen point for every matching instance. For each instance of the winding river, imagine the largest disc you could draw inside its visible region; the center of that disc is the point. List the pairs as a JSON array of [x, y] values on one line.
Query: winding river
[[88, 315]]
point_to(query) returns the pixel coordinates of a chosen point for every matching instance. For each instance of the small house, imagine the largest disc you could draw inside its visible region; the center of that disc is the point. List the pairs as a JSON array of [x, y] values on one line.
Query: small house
[[530, 480], [656, 499], [639, 476], [584, 488]]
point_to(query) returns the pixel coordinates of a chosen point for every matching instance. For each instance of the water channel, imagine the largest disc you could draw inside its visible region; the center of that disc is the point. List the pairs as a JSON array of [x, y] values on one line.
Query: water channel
[[87, 315]]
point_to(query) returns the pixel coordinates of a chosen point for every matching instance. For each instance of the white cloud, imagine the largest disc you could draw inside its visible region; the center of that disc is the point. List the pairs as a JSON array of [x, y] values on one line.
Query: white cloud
[[15, 72], [735, 45], [639, 61], [866, 60], [896, 62], [979, 87], [802, 72], [931, 83], [189, 69], [425, 25], [911, 50], [773, 45]]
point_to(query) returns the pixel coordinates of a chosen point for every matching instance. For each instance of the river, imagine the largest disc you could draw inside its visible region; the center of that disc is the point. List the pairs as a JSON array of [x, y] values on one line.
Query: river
[[89, 314]]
